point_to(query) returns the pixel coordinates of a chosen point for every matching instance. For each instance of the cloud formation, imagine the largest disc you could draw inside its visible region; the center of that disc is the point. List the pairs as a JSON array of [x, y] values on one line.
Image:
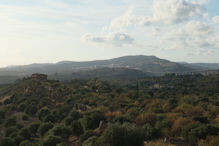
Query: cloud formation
[[173, 25], [164, 11], [198, 29], [194, 35], [175, 11], [130, 19], [116, 39], [215, 19]]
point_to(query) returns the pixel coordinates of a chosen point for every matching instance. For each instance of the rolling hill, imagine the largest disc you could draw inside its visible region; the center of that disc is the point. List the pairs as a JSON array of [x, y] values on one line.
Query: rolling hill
[[127, 66]]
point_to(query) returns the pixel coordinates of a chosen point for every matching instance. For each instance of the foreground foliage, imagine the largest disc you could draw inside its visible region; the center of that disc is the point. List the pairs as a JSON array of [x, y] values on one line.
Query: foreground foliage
[[96, 113]]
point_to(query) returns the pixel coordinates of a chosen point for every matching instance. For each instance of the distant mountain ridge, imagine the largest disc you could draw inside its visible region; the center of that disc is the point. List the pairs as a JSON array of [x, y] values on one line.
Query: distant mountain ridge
[[147, 65], [143, 63]]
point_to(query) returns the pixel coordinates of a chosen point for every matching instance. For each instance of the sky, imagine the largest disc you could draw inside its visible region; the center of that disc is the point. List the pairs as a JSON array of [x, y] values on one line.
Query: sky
[[49, 31]]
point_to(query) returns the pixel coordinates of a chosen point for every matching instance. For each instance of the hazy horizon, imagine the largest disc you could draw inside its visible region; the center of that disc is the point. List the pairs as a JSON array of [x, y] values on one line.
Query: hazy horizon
[[95, 60], [50, 31]]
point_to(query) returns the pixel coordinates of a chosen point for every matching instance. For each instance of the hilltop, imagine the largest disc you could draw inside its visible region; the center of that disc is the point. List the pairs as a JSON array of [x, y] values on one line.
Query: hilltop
[[139, 66]]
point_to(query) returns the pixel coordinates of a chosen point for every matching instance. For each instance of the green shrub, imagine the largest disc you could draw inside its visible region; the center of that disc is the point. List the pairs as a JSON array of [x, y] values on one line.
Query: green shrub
[[43, 113], [10, 122], [26, 143], [50, 118], [123, 135], [92, 120], [19, 126], [2, 116], [63, 111], [77, 128], [61, 131], [201, 119], [18, 139], [25, 117], [68, 120], [62, 144], [7, 101], [86, 135], [7, 142], [150, 132], [92, 141], [75, 115], [44, 127], [51, 140], [120, 119], [25, 132], [22, 107], [34, 127]]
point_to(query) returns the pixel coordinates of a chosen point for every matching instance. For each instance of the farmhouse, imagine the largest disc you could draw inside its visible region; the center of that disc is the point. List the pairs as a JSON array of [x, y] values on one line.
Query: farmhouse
[[38, 76]]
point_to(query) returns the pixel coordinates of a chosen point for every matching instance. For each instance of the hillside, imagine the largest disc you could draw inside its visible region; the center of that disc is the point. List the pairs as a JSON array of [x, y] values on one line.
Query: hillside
[[127, 67], [93, 112], [143, 63], [111, 74]]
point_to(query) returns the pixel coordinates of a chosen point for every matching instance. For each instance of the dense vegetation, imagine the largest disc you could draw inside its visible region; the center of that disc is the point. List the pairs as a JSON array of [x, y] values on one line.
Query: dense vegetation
[[98, 113]]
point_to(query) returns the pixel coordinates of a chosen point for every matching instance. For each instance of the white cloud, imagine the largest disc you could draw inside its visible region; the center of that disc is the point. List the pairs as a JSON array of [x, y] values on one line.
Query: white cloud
[[115, 39], [164, 11], [204, 51], [130, 19], [197, 28], [215, 19], [215, 41], [175, 11], [155, 31], [193, 35], [205, 16]]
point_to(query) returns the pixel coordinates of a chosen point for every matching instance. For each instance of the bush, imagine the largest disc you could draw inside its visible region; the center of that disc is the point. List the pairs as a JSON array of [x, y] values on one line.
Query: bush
[[9, 131], [50, 118], [75, 115], [2, 116], [7, 101], [21, 107], [68, 121], [201, 119], [43, 113], [26, 143], [92, 141], [86, 135], [209, 141], [61, 131], [18, 139], [120, 119], [34, 127], [150, 132], [92, 120], [10, 122], [7, 142], [150, 118], [62, 144], [19, 126], [25, 117], [200, 131], [25, 132], [51, 140], [13, 134], [44, 127], [31, 110], [123, 135], [179, 124], [77, 128], [63, 111], [186, 130]]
